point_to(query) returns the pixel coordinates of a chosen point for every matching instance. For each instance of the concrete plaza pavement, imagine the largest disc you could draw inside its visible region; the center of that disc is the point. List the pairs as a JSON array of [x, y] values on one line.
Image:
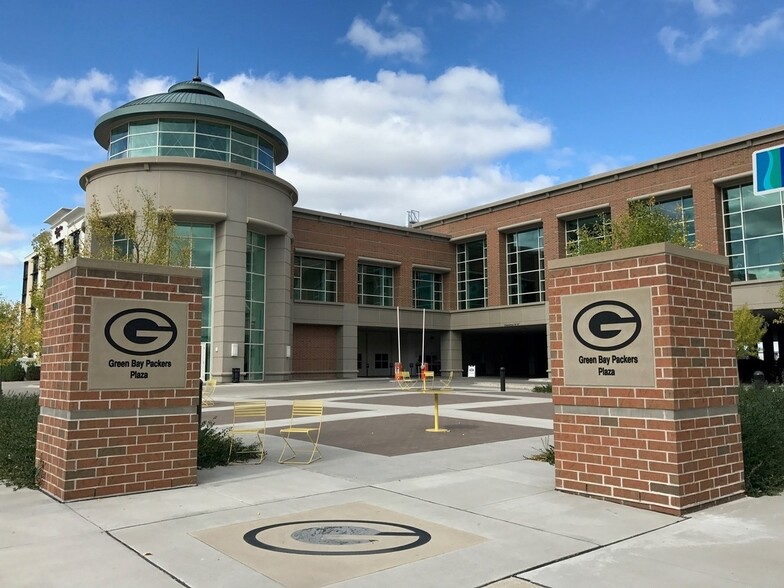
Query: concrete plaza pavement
[[491, 516]]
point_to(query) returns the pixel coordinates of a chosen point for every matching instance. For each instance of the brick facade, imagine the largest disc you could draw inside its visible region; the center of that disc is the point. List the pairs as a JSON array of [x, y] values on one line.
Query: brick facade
[[94, 443], [316, 355], [676, 446]]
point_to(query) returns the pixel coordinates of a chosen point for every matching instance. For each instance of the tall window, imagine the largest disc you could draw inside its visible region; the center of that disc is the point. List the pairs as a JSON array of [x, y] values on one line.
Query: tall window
[[472, 274], [680, 209], [428, 290], [200, 241], [315, 279], [525, 266], [374, 285], [255, 271], [595, 226], [753, 233]]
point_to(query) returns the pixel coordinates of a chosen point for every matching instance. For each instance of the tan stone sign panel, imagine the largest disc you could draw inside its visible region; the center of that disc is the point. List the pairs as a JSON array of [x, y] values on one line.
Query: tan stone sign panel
[[137, 344], [608, 339]]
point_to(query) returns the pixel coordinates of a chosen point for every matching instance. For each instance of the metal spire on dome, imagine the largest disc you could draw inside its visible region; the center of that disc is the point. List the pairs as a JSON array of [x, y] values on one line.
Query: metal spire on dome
[[197, 77]]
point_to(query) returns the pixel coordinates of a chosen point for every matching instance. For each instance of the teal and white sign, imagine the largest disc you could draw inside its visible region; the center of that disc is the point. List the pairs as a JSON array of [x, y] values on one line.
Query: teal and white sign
[[768, 170]]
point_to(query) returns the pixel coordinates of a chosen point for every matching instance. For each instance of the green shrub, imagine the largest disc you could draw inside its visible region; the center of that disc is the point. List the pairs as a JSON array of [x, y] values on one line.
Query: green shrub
[[543, 388], [18, 426], [12, 371], [33, 372], [214, 447], [762, 423]]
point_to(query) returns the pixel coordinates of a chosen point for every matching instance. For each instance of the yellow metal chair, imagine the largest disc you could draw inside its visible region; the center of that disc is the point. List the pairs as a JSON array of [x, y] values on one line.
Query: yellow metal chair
[[207, 393], [310, 431], [446, 384], [250, 418], [405, 381]]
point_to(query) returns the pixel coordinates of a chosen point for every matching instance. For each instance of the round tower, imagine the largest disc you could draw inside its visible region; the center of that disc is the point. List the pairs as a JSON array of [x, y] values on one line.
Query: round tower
[[213, 163]]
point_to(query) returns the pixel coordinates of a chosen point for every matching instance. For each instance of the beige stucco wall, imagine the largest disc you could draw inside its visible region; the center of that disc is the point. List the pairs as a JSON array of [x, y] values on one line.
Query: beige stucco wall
[[235, 199]]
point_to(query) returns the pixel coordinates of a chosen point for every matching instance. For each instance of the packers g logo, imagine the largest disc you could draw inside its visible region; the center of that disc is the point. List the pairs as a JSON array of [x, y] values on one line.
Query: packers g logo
[[140, 331], [607, 325]]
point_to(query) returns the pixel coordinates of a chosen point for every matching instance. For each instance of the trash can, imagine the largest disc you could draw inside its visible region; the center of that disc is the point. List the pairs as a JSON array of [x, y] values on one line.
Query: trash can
[[759, 379], [235, 375]]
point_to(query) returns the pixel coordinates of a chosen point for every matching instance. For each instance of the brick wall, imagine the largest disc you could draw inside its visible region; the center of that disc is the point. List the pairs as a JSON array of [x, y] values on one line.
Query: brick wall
[[94, 443], [673, 447], [315, 352], [351, 238], [696, 172]]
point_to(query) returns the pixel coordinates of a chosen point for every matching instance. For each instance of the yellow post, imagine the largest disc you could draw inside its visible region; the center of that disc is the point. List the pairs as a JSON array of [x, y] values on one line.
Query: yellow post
[[436, 428]]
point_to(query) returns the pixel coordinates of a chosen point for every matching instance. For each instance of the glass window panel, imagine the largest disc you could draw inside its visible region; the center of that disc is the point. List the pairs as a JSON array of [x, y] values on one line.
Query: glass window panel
[[751, 200], [732, 205], [176, 139], [119, 133], [242, 150], [145, 140], [212, 129], [206, 282], [214, 155], [734, 234], [762, 222], [143, 152], [733, 220], [770, 272], [203, 231], [180, 126], [765, 251], [149, 126], [237, 135], [201, 253], [175, 151], [215, 143], [118, 147]]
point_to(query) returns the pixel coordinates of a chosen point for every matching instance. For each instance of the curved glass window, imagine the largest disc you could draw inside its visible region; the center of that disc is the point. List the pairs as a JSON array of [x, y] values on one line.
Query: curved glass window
[[191, 138]]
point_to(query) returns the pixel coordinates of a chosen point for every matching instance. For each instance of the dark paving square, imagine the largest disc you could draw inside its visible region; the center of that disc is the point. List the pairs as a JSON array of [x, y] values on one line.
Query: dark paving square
[[540, 410], [325, 395], [405, 434]]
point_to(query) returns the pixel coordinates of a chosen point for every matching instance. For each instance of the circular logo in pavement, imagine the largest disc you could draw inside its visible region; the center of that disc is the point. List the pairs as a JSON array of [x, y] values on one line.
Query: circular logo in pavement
[[336, 537]]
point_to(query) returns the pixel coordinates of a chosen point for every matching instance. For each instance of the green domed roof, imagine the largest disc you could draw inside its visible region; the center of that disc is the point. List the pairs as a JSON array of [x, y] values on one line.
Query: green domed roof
[[195, 98]]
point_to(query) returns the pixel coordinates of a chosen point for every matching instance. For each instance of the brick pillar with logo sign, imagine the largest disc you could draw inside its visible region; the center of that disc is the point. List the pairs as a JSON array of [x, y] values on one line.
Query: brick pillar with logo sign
[[119, 379], [644, 378]]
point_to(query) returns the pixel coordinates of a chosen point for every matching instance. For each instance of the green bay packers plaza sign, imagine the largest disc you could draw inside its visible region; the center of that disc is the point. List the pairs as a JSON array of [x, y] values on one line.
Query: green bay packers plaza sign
[[608, 339], [137, 344]]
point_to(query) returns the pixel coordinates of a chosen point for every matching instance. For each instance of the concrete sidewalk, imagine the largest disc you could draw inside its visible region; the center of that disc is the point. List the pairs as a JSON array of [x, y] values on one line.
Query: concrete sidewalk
[[469, 515]]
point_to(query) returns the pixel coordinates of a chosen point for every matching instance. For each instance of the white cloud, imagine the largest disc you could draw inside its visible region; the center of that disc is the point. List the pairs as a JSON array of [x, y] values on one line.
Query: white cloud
[[405, 42], [753, 37], [15, 90], [490, 11], [72, 150], [375, 148], [140, 86], [679, 46], [713, 8], [84, 92], [9, 233]]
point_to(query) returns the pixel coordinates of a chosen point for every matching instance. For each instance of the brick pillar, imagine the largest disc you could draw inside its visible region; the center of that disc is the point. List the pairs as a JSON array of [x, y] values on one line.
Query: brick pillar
[[661, 433], [137, 431]]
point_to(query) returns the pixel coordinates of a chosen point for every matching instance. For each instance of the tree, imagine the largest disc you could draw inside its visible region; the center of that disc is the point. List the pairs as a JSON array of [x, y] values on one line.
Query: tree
[[749, 330], [146, 234], [18, 336], [643, 224]]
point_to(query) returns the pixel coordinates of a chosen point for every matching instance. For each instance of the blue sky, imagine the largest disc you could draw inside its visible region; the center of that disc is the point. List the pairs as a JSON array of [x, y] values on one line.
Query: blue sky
[[432, 105]]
